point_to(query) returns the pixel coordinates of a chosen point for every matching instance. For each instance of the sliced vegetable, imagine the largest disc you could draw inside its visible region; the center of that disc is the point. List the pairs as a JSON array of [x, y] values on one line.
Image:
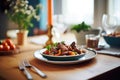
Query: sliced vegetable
[[71, 53], [59, 53]]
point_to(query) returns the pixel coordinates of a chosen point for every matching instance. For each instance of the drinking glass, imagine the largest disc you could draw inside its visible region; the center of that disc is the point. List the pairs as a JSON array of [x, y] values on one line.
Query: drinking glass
[[109, 23], [92, 41], [59, 26]]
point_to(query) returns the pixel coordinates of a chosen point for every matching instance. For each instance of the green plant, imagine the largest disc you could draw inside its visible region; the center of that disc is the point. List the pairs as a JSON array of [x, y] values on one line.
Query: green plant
[[22, 14], [79, 27]]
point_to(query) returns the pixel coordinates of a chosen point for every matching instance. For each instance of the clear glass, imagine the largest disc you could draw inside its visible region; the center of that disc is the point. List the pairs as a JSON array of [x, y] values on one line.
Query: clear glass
[[59, 26], [109, 23]]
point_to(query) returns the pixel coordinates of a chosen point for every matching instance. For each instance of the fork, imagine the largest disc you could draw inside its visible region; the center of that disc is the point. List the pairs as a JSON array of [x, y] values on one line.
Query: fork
[[22, 68], [28, 65]]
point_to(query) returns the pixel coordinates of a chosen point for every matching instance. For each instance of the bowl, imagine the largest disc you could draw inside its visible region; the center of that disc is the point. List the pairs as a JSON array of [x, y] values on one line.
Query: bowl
[[61, 58], [112, 41]]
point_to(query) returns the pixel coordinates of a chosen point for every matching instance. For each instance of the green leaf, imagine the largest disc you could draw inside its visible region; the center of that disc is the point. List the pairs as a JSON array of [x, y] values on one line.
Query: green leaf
[[63, 42], [55, 44], [48, 47], [79, 27]]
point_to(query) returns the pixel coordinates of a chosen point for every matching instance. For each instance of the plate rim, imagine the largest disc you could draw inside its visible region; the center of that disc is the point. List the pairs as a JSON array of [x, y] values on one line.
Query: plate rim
[[82, 59]]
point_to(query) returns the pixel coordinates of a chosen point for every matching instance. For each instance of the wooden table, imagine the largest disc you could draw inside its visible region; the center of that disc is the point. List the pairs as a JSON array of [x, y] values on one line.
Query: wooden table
[[82, 71]]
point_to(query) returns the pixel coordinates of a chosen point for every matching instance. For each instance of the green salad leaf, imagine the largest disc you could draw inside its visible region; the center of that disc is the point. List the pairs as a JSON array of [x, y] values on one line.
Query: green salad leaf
[[48, 47]]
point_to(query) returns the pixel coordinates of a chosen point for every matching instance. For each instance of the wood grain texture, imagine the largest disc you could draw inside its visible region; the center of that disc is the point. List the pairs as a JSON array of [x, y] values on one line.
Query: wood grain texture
[[101, 64]]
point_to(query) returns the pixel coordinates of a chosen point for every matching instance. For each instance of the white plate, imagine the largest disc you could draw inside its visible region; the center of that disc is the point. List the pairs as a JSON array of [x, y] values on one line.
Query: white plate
[[88, 56]]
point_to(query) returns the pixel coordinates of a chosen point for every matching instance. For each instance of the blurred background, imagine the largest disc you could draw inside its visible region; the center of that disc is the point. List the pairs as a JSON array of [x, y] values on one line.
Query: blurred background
[[65, 13]]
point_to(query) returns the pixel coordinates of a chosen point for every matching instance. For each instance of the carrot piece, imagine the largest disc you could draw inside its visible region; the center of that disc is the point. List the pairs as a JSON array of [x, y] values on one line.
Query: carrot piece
[[71, 53], [59, 53]]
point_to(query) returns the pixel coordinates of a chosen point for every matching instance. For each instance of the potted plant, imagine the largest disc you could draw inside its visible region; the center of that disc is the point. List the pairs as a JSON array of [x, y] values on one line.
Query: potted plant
[[22, 14], [80, 30]]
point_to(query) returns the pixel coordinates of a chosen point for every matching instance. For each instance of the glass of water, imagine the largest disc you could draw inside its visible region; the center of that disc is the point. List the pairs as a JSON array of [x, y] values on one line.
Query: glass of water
[[109, 23]]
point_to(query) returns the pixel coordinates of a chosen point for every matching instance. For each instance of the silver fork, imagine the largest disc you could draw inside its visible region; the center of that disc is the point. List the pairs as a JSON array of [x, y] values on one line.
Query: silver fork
[[27, 64], [22, 68]]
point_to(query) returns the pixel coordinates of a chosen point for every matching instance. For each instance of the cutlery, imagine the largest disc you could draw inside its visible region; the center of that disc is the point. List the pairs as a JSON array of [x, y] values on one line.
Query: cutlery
[[28, 65], [22, 68]]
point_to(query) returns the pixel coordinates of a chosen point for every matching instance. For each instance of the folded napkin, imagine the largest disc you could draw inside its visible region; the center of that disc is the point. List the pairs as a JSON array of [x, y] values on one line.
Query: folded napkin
[[110, 51]]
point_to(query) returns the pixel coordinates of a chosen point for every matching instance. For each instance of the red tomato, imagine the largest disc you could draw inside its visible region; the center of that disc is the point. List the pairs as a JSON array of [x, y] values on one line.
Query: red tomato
[[1, 47], [9, 42], [46, 52], [4, 43], [12, 47], [6, 48]]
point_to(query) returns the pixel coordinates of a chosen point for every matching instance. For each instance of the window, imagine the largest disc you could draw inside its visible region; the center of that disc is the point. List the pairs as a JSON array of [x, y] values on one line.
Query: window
[[90, 11], [114, 9], [68, 12], [76, 11]]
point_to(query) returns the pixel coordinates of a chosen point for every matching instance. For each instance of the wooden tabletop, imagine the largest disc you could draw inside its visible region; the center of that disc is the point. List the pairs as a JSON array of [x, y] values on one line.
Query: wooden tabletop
[[81, 71]]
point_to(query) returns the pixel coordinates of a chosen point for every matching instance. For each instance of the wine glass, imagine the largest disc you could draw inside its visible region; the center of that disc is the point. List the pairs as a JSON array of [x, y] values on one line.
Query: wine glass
[[59, 26], [109, 23]]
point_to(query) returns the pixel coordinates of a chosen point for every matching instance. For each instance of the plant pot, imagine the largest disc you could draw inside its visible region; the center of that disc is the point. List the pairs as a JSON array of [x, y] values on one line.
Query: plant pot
[[22, 37], [80, 36]]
